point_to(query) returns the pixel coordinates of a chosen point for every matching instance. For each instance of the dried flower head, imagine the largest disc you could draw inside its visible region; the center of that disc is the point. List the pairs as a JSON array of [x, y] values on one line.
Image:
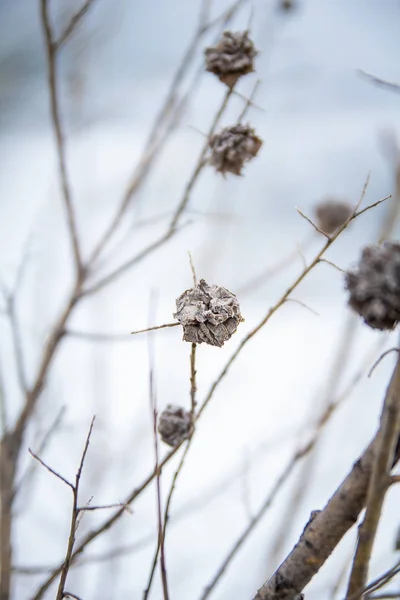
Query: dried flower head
[[374, 286], [232, 57], [174, 425], [208, 313], [233, 147], [332, 214]]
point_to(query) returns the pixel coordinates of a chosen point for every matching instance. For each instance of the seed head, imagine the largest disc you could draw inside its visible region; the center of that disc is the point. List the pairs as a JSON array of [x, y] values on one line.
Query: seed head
[[374, 286], [208, 313], [332, 214], [232, 57], [233, 147], [174, 425]]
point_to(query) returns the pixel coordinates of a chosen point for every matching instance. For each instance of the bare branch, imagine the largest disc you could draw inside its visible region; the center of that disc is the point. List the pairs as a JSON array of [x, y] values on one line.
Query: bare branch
[[201, 162], [107, 279], [74, 519], [170, 109], [382, 356], [46, 466], [42, 446], [91, 336], [385, 448], [73, 24], [270, 272], [58, 133], [154, 328], [193, 385], [332, 264], [312, 223], [393, 86]]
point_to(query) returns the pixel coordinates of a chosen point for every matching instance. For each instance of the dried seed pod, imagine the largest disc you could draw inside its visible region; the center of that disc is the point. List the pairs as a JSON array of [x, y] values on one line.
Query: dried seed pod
[[208, 313], [332, 214], [232, 147], [287, 5], [232, 57], [174, 425], [374, 286]]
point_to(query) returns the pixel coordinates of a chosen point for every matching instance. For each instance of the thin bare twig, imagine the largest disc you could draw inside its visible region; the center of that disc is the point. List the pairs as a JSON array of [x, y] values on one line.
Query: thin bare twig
[[74, 519], [59, 135], [267, 274], [154, 328], [249, 101], [192, 269], [55, 473], [193, 385], [390, 85], [42, 446], [332, 264], [382, 356], [74, 21], [91, 336], [312, 223], [127, 265], [201, 162]]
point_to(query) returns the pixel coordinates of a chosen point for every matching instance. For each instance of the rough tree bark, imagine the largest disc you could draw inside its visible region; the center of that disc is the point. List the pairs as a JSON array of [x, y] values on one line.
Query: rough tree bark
[[325, 528]]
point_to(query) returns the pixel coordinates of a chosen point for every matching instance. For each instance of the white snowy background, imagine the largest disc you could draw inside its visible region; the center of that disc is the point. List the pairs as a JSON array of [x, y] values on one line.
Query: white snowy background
[[323, 127]]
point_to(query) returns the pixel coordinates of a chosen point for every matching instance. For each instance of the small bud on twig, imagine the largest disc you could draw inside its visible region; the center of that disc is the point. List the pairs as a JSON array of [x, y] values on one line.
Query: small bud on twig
[[174, 425], [332, 214], [233, 147], [232, 57], [208, 313], [375, 286]]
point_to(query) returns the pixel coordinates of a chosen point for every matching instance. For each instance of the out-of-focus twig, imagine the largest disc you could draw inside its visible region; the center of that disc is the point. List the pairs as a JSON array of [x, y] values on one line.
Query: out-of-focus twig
[[73, 23], [51, 52], [393, 86], [75, 510]]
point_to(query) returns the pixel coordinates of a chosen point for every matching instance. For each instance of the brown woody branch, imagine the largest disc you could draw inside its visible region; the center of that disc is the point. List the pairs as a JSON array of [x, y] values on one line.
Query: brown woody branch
[[379, 484], [326, 528], [73, 23], [51, 52]]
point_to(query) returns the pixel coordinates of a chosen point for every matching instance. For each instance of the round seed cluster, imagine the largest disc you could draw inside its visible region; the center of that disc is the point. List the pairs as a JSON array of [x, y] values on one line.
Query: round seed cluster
[[208, 313], [374, 286]]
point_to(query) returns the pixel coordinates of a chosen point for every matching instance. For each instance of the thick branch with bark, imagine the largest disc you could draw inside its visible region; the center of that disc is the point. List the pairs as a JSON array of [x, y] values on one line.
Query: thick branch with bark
[[325, 528]]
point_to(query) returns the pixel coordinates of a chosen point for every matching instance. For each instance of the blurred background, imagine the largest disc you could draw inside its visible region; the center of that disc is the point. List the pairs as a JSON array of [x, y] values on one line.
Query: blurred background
[[325, 126]]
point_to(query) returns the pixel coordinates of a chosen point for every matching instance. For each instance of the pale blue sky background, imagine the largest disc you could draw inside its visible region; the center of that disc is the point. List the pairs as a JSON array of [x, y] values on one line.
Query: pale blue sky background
[[322, 126]]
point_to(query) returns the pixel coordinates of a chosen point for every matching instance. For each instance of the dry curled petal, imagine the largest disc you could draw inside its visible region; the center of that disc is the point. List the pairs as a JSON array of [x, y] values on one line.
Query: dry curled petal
[[374, 286], [232, 147], [332, 214], [174, 425], [208, 313], [232, 57]]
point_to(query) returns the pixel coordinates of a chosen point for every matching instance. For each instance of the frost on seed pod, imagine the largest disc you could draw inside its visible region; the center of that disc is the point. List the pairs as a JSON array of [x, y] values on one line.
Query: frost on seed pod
[[174, 425], [232, 57], [332, 214], [208, 313], [374, 286], [233, 147]]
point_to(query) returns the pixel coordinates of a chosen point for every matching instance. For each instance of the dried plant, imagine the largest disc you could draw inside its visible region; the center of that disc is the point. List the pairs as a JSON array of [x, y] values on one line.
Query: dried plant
[[332, 214], [174, 425], [208, 313], [374, 286], [232, 57], [232, 147]]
